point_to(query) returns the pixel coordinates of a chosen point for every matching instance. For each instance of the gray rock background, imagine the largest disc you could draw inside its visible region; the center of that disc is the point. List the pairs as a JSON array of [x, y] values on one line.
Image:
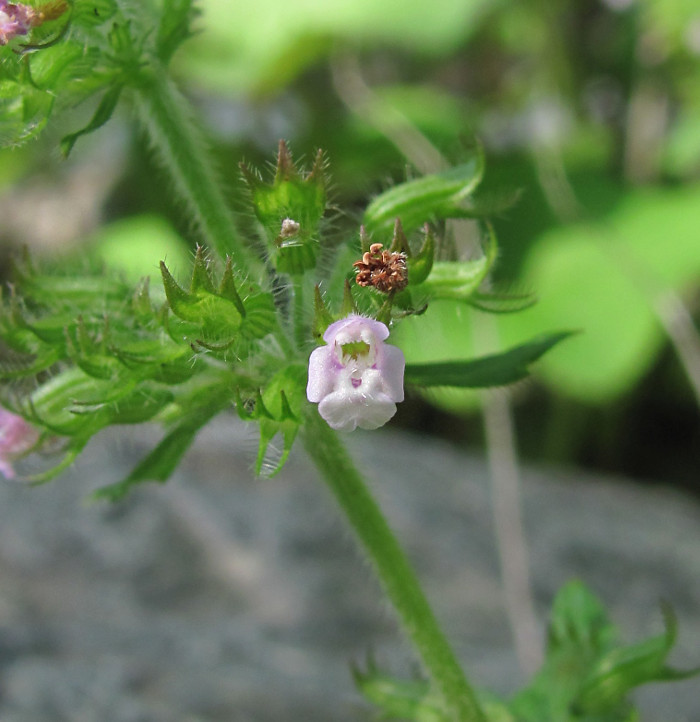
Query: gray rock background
[[224, 597]]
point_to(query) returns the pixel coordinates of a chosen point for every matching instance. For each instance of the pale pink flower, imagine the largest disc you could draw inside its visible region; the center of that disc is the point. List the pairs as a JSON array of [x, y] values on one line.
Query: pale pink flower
[[356, 379], [17, 437]]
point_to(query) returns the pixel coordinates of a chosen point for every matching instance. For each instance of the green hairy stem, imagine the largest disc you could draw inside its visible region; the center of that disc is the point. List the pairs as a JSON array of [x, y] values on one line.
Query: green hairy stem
[[182, 150], [166, 118], [392, 567]]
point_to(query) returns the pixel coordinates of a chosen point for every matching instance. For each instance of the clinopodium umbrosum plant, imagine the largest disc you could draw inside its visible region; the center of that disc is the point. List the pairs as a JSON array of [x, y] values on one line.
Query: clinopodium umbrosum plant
[[288, 327]]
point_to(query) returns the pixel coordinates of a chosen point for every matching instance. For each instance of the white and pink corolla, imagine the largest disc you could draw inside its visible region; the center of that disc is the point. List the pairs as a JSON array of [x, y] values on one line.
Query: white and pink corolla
[[17, 437], [356, 379], [15, 19]]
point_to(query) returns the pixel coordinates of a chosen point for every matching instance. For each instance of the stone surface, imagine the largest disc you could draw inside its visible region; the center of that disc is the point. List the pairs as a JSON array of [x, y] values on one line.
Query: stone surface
[[222, 597]]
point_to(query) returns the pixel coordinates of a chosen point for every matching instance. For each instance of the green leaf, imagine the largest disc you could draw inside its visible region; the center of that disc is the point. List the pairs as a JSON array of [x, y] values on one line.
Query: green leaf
[[398, 698], [14, 366], [414, 699], [579, 619], [502, 302], [140, 405], [454, 280], [622, 669], [428, 198], [587, 676], [160, 463], [174, 28], [201, 273], [53, 402], [494, 370], [70, 290], [228, 289], [71, 453], [50, 64], [102, 114], [227, 320], [24, 112]]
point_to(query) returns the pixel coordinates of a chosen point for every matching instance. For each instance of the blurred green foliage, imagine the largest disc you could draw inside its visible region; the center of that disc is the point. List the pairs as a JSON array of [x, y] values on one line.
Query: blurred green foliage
[[560, 92], [587, 674], [588, 112]]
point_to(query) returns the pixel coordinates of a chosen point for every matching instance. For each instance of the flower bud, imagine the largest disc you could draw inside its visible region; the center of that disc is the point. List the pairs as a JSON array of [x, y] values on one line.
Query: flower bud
[[290, 211]]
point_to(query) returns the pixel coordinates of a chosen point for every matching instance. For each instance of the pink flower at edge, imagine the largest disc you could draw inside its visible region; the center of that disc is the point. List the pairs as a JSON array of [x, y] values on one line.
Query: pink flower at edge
[[15, 19], [356, 379], [17, 437]]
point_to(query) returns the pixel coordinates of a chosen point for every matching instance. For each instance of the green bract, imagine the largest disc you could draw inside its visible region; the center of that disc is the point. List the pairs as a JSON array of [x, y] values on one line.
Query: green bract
[[290, 210], [108, 355], [216, 316]]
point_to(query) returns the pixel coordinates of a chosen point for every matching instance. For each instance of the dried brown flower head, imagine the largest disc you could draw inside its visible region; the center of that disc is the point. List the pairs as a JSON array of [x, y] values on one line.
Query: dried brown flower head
[[384, 270]]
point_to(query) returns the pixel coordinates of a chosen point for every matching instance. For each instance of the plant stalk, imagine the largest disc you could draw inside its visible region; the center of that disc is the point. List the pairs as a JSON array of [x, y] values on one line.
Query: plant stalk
[[166, 117], [392, 567]]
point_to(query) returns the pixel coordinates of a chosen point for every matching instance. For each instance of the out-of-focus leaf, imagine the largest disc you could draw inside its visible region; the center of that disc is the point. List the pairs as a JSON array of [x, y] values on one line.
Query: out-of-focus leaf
[[24, 111], [496, 302], [438, 114], [176, 18], [134, 246], [445, 332], [586, 675], [622, 669], [91, 13], [603, 279], [421, 264], [458, 280], [53, 401], [427, 198], [102, 114], [682, 152], [670, 19], [51, 63], [244, 46], [398, 698], [579, 619], [413, 699]]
